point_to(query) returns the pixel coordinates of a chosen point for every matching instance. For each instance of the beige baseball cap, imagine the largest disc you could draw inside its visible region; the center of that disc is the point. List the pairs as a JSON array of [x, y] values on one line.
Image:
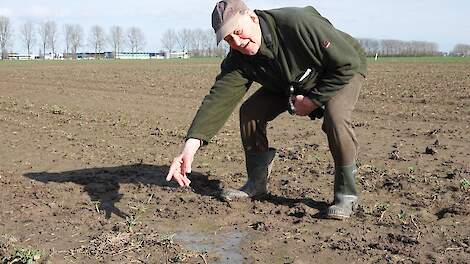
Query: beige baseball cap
[[225, 17]]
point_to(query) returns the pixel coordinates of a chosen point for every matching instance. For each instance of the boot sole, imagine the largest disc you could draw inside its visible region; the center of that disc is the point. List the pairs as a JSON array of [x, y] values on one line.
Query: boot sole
[[338, 213], [337, 217], [229, 198]]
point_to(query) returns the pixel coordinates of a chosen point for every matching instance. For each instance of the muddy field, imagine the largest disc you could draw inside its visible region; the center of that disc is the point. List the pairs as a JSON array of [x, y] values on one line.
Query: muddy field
[[85, 148]]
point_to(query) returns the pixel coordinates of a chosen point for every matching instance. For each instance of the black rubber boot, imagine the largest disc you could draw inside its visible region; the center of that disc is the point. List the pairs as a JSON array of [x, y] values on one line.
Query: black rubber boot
[[346, 197], [258, 168]]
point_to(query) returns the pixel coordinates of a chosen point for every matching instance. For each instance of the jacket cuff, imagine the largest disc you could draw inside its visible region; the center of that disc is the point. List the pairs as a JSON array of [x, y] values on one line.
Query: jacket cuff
[[203, 142], [314, 98]]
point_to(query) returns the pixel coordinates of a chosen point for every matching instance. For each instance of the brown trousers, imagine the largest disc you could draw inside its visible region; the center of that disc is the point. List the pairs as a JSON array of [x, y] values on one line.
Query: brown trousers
[[263, 106]]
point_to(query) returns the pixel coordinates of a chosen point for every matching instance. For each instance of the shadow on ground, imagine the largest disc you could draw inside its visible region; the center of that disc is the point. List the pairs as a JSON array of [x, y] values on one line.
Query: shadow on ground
[[102, 184], [291, 202]]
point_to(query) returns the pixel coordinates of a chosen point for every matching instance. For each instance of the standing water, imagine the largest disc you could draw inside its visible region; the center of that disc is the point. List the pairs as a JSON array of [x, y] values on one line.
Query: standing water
[[226, 246]]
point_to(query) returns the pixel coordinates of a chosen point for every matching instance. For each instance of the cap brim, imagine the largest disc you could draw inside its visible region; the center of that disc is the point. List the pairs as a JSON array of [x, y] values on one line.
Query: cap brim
[[228, 27]]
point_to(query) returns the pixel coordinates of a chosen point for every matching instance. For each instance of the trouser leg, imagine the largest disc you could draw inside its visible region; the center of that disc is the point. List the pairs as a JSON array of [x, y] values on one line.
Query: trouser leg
[[262, 107], [338, 126], [343, 146]]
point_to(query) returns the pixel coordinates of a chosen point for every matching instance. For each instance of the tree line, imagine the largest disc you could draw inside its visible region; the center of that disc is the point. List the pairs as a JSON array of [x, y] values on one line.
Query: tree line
[[461, 50], [197, 42], [45, 36], [393, 47]]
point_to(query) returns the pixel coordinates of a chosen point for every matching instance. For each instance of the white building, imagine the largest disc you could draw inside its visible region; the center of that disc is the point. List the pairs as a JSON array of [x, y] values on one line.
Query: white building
[[20, 56]]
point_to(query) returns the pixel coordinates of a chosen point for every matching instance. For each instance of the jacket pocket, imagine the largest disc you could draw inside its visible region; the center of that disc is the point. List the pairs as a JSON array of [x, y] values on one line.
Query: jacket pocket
[[307, 83]]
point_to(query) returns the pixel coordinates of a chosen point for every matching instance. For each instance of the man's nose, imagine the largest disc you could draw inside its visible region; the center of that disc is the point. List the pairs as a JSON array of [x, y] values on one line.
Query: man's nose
[[236, 40]]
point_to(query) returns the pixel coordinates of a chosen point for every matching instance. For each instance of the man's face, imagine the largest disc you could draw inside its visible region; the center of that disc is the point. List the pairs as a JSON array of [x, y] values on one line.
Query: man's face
[[246, 38]]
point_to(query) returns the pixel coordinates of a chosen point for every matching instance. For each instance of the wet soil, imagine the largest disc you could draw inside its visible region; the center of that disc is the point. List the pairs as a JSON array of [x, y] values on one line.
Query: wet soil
[[85, 148]]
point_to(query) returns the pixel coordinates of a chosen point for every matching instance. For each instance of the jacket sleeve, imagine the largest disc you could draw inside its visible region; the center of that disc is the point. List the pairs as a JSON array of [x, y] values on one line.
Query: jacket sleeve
[[229, 88], [334, 55]]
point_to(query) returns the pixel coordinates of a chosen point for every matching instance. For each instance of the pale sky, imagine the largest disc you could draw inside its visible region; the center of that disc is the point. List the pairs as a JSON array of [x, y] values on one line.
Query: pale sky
[[444, 22]]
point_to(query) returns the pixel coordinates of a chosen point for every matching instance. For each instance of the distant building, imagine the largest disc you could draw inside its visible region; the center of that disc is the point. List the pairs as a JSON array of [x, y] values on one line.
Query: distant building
[[20, 56], [152, 55], [53, 56], [177, 55], [139, 55], [93, 55], [102, 55]]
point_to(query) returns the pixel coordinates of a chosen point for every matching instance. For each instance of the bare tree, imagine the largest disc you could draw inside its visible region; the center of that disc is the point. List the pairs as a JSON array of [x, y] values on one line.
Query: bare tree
[[183, 37], [48, 35], [370, 46], [44, 35], [27, 36], [387, 46], [195, 46], [117, 39], [97, 38], [210, 43], [52, 35], [136, 39], [68, 29], [76, 39], [5, 35], [169, 40], [432, 49], [461, 50], [224, 48]]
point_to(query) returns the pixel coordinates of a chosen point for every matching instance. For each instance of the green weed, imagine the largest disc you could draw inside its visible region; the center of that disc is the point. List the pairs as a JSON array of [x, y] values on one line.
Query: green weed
[[137, 212], [131, 221], [23, 256], [402, 216], [464, 184], [382, 207]]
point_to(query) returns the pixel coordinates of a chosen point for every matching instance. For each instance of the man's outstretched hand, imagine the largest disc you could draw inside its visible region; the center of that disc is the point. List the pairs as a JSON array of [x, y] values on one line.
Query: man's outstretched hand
[[182, 163]]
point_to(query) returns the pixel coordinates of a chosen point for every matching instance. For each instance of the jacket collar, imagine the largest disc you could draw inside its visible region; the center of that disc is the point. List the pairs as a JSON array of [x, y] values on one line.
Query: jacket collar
[[267, 40]]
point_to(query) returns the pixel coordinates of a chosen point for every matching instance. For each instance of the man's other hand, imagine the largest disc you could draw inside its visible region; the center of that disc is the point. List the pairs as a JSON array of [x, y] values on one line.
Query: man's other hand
[[303, 105]]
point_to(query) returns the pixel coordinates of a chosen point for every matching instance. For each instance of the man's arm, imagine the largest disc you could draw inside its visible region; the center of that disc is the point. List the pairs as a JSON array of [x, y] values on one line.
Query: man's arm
[[228, 90], [226, 93]]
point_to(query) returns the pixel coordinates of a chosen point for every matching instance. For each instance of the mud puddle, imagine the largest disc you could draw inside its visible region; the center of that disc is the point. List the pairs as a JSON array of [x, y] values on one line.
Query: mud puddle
[[225, 245]]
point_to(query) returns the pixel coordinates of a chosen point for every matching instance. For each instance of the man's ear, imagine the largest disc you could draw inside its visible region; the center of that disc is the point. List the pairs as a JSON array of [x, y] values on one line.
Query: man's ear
[[254, 17]]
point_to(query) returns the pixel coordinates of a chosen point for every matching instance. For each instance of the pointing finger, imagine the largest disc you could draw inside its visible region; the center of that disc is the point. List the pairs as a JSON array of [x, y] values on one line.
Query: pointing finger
[[172, 171], [173, 168]]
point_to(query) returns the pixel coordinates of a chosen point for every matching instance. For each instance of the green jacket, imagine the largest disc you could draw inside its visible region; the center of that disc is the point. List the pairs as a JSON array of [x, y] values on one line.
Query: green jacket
[[294, 40]]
